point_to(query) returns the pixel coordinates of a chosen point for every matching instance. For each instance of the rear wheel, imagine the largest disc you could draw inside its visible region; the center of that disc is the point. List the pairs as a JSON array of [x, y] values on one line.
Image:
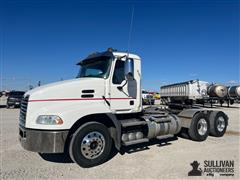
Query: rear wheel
[[199, 128], [218, 123], [91, 145]]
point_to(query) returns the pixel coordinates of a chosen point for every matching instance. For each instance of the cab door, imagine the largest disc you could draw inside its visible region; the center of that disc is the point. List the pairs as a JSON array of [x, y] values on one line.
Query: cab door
[[123, 92]]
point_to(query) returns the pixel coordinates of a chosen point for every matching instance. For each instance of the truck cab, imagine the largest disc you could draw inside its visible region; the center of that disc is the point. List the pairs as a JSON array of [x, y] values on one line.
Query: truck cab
[[102, 88]]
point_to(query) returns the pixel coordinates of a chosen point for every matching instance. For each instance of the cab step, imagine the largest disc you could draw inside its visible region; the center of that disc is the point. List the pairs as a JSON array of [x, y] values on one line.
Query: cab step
[[138, 141], [165, 137]]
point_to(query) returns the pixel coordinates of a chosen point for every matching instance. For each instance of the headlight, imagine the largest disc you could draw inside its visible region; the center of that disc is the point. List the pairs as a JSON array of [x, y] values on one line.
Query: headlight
[[49, 120]]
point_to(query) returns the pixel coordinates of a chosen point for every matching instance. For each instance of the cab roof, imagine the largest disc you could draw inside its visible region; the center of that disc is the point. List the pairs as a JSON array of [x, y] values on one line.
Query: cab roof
[[108, 53], [131, 56]]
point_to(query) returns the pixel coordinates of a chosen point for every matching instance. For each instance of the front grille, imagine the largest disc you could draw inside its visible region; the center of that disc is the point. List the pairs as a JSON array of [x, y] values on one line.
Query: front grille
[[23, 111]]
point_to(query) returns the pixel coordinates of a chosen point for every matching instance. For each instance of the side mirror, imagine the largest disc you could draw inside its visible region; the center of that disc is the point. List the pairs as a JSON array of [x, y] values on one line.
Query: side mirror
[[129, 69]]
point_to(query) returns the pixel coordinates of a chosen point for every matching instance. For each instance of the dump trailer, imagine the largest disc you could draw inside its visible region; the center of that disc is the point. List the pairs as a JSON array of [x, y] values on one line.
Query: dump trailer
[[193, 92], [186, 92], [101, 110]]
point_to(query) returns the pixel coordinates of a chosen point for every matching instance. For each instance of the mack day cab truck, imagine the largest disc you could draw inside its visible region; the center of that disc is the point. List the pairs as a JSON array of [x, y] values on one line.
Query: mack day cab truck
[[102, 109]]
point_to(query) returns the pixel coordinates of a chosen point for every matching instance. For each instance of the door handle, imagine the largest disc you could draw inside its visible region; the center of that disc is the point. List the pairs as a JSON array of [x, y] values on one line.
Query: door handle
[[132, 102]]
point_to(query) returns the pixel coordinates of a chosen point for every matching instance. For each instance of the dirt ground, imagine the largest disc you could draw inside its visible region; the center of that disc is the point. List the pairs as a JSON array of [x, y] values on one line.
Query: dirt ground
[[165, 161]]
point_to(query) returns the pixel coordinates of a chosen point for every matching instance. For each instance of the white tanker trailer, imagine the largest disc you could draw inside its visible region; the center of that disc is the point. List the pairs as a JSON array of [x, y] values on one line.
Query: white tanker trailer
[[234, 92], [233, 95], [217, 91]]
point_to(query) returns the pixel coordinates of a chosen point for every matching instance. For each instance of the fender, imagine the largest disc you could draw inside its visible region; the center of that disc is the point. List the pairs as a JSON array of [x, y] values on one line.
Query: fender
[[187, 115], [116, 135]]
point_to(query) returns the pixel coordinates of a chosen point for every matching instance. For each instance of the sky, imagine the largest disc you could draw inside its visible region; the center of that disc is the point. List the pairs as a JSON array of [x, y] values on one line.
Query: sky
[[177, 40]]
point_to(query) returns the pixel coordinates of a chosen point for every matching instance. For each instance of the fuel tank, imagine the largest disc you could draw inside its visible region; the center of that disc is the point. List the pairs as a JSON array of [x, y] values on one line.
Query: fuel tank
[[158, 127], [216, 90], [234, 91]]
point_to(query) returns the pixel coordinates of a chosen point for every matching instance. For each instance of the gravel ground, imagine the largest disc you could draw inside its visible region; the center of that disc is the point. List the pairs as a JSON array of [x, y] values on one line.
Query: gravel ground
[[169, 161]]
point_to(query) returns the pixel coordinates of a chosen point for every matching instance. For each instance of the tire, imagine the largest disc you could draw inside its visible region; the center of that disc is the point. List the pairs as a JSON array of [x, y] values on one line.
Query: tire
[[184, 133], [218, 123], [90, 145], [199, 128]]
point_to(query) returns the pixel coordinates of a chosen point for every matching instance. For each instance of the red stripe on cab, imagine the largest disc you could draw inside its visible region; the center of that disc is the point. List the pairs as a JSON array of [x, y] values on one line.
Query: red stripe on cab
[[76, 99]]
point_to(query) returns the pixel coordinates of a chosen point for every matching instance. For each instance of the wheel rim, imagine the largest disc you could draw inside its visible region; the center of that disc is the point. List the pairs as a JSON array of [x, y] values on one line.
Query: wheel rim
[[220, 124], [202, 127], [92, 145]]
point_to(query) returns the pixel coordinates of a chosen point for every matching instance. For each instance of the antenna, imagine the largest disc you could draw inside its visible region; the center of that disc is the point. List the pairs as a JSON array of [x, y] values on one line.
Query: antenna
[[130, 31]]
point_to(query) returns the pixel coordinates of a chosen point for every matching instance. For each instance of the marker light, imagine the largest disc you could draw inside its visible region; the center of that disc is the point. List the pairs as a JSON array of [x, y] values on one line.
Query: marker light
[[49, 120]]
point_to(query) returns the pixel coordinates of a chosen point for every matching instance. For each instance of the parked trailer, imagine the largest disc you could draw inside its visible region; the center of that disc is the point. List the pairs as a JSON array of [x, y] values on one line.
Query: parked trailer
[[194, 91], [217, 90], [234, 91], [102, 110], [233, 95], [184, 92]]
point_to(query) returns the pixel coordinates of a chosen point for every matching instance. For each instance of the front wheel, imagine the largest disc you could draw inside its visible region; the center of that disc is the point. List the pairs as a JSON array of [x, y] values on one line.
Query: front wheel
[[90, 145], [199, 128]]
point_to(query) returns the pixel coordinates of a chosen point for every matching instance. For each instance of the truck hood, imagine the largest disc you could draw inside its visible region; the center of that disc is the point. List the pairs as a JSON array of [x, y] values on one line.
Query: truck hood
[[67, 89]]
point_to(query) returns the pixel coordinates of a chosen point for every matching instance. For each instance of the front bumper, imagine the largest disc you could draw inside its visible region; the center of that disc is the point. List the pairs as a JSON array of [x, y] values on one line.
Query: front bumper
[[43, 141]]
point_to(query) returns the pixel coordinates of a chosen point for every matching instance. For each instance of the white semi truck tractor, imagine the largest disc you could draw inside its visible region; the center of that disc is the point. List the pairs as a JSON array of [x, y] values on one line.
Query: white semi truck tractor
[[101, 110]]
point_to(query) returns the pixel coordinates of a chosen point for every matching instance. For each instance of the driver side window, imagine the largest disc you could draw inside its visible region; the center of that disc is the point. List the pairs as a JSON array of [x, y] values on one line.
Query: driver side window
[[118, 75]]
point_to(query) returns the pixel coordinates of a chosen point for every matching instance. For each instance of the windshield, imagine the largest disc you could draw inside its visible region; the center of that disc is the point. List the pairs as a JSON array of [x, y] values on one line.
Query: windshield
[[97, 67]]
